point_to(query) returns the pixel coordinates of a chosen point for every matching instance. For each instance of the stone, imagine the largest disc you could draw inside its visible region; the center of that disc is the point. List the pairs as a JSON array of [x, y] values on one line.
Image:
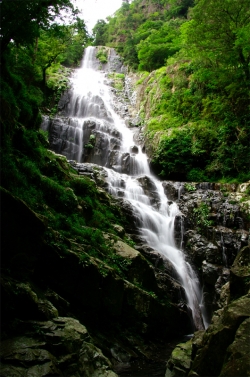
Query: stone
[[64, 100], [149, 189], [173, 190], [134, 149], [180, 361], [240, 273], [237, 362], [119, 230], [219, 337], [58, 347], [139, 270], [210, 272]]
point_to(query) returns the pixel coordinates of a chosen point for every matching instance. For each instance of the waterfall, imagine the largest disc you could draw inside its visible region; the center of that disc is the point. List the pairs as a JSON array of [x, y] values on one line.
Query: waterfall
[[91, 131]]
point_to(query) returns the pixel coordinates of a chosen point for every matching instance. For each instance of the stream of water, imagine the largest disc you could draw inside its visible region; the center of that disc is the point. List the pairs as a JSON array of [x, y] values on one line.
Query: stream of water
[[93, 132]]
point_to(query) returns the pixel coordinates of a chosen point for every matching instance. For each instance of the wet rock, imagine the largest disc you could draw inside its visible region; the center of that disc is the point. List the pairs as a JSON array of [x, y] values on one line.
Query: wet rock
[[139, 271], [210, 272], [127, 210], [229, 242], [64, 100], [125, 163], [31, 305], [224, 295], [237, 362], [57, 347], [134, 149], [200, 249], [180, 362], [173, 190], [240, 273], [149, 189], [153, 256], [45, 125], [219, 336]]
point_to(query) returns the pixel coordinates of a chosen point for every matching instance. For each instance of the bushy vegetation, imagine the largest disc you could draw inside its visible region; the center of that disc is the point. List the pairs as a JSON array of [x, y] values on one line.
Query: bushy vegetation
[[197, 84], [33, 47], [117, 80], [69, 203], [36, 61], [102, 55]]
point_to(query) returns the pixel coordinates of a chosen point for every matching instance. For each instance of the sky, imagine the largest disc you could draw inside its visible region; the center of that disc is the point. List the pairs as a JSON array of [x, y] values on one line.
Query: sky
[[94, 10]]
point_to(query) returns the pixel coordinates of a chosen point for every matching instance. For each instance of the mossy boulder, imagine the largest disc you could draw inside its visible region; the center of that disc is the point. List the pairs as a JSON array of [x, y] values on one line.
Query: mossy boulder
[[219, 337], [221, 350], [139, 270], [237, 362], [61, 346], [180, 362], [240, 273]]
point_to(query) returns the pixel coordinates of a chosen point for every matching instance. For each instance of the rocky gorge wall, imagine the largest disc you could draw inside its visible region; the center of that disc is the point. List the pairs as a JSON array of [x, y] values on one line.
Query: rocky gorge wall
[[213, 230]]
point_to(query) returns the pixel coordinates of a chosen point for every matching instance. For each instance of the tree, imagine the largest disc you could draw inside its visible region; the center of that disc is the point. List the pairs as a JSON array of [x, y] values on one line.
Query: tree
[[219, 32], [51, 44], [158, 46], [99, 33], [21, 20], [60, 43], [79, 38]]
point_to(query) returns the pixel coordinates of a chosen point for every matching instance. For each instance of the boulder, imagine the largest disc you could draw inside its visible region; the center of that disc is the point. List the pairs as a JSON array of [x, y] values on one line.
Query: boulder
[[240, 273], [149, 189], [219, 336], [180, 362], [200, 249], [64, 100], [173, 190], [236, 361], [57, 347], [210, 272]]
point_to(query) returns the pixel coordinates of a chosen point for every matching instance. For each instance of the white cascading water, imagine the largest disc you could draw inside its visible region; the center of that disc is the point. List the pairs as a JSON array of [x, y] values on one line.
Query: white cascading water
[[90, 112]]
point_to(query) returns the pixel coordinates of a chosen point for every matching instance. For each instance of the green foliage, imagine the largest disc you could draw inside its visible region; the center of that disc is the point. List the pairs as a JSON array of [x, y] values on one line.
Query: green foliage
[[197, 107], [21, 20], [102, 55], [197, 175], [99, 33], [32, 42], [69, 203], [158, 46], [91, 142], [202, 216], [120, 264], [144, 38], [190, 187], [117, 80]]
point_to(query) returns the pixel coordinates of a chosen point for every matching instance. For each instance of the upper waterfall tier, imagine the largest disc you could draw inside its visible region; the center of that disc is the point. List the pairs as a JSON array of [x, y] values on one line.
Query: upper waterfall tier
[[89, 130]]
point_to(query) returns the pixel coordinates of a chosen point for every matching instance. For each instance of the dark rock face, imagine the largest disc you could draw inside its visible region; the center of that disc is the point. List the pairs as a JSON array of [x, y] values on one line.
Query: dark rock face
[[61, 346], [221, 350], [240, 273], [64, 100], [149, 189], [211, 229], [49, 295]]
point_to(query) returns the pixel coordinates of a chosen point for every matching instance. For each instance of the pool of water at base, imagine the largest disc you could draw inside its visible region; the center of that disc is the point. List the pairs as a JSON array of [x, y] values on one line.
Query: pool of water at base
[[149, 368]]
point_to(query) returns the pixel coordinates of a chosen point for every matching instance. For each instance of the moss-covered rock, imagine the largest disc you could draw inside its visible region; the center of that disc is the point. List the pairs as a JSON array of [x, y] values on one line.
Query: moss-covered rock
[[57, 347], [180, 362], [237, 362], [219, 336], [240, 273], [221, 350]]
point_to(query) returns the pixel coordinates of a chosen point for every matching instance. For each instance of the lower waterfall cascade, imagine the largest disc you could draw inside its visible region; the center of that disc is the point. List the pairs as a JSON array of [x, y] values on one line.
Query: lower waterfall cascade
[[89, 130]]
